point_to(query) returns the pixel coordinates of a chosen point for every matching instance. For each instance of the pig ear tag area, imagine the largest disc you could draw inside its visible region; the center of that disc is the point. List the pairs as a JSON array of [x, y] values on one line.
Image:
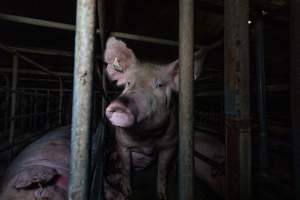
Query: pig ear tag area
[[117, 65]]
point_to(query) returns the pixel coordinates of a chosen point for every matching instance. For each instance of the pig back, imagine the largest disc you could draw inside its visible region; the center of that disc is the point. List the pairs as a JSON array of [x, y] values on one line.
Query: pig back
[[51, 150]]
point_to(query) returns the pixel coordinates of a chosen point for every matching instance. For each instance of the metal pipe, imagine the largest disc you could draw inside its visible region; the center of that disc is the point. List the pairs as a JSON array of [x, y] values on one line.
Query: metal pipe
[[261, 95], [13, 103], [152, 40], [100, 11], [30, 115], [236, 87], [28, 60], [186, 106], [35, 107], [48, 109], [37, 22], [35, 72], [294, 89], [82, 96], [60, 106], [70, 27]]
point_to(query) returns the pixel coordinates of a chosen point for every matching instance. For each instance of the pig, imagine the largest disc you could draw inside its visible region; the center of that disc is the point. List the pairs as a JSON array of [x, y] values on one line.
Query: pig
[[41, 170], [144, 115]]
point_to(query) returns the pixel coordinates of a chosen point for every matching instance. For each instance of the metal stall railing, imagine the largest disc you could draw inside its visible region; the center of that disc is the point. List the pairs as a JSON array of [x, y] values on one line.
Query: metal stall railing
[[14, 92], [295, 90], [82, 97], [237, 100], [186, 106]]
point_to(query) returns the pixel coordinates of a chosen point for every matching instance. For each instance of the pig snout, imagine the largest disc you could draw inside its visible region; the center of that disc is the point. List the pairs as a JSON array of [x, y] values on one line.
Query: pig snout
[[119, 114]]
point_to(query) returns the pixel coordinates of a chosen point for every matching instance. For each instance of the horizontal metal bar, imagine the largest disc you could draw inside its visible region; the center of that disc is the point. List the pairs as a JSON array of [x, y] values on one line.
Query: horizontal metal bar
[[28, 60], [43, 51], [43, 80], [34, 72], [21, 91], [31, 115], [48, 52], [219, 166], [148, 39], [37, 22], [71, 27]]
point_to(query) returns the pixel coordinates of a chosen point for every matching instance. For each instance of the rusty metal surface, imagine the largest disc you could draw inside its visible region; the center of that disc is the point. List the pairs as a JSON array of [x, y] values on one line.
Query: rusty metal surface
[[236, 86], [186, 106], [295, 88], [82, 98]]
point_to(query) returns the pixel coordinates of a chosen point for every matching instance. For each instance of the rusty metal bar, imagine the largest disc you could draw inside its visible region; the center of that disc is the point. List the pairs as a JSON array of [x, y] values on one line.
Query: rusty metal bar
[[82, 98], [236, 86], [261, 95], [13, 102], [186, 106], [295, 89]]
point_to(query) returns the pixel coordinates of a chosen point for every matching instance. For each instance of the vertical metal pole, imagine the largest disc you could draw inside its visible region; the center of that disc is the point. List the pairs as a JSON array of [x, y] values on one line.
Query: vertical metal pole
[[7, 94], [35, 108], [13, 103], [295, 88], [186, 118], [261, 95], [61, 92], [48, 109], [237, 119], [100, 11], [82, 96]]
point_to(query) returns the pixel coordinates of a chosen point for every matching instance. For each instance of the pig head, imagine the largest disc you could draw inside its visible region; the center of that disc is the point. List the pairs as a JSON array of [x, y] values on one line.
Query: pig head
[[144, 115]]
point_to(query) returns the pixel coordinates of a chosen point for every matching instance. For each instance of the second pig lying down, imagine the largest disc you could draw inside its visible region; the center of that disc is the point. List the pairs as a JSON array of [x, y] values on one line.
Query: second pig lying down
[[41, 170]]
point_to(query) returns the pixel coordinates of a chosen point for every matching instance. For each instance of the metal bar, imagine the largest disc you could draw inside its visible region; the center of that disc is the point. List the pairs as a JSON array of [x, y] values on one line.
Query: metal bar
[[13, 102], [61, 94], [48, 109], [70, 27], [147, 39], [48, 52], [21, 91], [30, 115], [100, 11], [42, 51], [186, 106], [28, 60], [295, 89], [35, 107], [82, 97], [236, 86], [261, 95], [37, 22], [34, 72]]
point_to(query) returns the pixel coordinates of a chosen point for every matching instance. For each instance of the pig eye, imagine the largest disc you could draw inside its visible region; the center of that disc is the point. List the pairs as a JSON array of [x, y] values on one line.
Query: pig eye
[[127, 83]]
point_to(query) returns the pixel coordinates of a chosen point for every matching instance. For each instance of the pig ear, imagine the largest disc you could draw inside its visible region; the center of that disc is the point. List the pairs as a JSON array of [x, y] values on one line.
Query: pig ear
[[119, 58], [173, 69], [33, 175]]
